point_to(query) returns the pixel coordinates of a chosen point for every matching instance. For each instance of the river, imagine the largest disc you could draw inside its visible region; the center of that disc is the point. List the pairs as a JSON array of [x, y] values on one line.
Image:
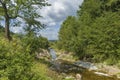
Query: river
[[69, 68]]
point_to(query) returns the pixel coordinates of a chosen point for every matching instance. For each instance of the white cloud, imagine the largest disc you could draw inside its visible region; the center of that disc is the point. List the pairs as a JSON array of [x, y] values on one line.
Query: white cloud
[[54, 15], [17, 29], [59, 10]]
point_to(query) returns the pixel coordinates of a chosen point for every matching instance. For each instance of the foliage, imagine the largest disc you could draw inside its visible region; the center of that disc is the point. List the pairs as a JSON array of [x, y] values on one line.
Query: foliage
[[43, 71], [24, 9], [35, 43], [68, 33], [96, 34], [19, 13], [1, 31], [16, 62]]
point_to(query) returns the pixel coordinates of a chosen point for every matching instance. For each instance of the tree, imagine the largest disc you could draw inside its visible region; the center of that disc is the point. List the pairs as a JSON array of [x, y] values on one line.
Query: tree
[[97, 32], [68, 33], [18, 11]]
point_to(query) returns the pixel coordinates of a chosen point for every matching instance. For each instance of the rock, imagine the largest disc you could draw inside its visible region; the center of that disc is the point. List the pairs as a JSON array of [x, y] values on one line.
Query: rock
[[118, 76], [93, 67], [63, 74], [42, 54], [86, 65], [101, 74], [69, 77], [110, 70], [78, 77]]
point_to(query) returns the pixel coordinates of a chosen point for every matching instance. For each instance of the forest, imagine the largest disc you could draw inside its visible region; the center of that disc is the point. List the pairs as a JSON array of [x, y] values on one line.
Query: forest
[[93, 35]]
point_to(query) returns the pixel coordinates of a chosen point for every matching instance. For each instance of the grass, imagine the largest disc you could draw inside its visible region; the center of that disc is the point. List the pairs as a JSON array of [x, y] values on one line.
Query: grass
[[42, 70]]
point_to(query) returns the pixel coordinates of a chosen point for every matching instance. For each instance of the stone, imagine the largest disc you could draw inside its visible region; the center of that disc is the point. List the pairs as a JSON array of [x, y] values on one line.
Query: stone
[[86, 65], [78, 77], [69, 77], [101, 74]]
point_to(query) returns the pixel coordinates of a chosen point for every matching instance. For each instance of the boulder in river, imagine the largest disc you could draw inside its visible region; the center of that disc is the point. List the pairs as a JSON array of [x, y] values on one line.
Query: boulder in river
[[86, 65]]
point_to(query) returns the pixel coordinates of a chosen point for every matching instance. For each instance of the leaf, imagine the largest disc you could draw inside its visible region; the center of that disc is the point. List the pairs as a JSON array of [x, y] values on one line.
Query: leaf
[[1, 11]]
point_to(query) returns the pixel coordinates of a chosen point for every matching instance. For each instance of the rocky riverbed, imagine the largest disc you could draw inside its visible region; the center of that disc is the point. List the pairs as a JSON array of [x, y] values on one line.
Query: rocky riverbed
[[70, 68]]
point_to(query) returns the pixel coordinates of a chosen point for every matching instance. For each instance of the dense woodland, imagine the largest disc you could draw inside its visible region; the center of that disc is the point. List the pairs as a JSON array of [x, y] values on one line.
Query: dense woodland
[[94, 34]]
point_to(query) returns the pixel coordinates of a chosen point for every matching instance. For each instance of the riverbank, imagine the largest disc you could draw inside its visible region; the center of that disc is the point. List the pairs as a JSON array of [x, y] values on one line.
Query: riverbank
[[110, 70], [64, 66], [102, 67]]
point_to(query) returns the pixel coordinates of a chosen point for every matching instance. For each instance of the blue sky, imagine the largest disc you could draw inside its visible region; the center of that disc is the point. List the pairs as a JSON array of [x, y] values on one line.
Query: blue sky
[[54, 15]]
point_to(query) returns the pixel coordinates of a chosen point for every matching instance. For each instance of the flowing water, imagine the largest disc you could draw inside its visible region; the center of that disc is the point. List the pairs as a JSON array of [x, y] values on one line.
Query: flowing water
[[73, 69], [53, 54]]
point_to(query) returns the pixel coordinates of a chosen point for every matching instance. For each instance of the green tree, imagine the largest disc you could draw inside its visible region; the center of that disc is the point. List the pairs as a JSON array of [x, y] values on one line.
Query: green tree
[[95, 21], [68, 33], [35, 44], [17, 11], [97, 32]]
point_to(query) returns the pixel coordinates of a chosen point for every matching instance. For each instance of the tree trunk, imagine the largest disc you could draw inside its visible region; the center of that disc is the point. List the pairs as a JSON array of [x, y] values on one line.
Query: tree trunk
[[7, 19], [7, 31]]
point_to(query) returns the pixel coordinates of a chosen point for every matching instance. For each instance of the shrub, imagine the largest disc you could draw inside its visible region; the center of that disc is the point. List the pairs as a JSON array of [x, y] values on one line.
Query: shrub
[[15, 61]]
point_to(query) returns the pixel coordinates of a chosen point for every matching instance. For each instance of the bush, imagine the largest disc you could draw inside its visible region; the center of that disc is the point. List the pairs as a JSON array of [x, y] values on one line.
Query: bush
[[15, 61], [35, 43]]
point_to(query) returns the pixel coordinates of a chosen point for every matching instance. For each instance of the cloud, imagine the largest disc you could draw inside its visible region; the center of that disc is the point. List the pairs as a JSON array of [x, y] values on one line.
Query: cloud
[[17, 29], [50, 32], [54, 15], [59, 10]]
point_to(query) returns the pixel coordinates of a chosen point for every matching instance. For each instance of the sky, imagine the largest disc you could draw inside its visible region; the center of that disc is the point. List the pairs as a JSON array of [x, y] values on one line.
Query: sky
[[54, 15]]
